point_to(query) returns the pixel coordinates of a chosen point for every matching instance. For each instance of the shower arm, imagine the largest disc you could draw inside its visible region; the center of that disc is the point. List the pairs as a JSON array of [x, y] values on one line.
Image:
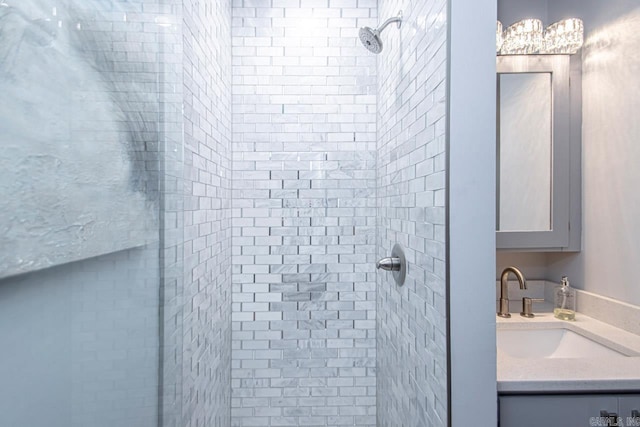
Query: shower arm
[[390, 21]]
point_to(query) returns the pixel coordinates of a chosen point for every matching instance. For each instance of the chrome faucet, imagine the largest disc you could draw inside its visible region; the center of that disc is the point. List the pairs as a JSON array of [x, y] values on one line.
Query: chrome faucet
[[504, 297]]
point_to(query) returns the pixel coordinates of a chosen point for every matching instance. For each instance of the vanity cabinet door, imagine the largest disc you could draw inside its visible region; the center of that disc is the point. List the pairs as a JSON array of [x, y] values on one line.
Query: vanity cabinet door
[[552, 411], [630, 409], [538, 153]]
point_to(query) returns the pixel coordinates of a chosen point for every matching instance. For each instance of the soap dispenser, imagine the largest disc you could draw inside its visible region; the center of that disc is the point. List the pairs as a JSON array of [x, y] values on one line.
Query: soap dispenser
[[565, 301]]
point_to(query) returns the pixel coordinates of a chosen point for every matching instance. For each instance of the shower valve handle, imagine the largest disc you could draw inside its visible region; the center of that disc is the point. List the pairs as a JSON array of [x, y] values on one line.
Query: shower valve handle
[[396, 264], [389, 264]]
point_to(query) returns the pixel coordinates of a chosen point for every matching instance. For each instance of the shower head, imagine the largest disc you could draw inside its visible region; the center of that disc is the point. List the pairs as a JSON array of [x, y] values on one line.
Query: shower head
[[370, 37]]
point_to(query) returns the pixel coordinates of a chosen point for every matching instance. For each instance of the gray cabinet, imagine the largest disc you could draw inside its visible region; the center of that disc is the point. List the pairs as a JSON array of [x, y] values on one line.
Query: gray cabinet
[[566, 410], [629, 407], [538, 153], [539, 411]]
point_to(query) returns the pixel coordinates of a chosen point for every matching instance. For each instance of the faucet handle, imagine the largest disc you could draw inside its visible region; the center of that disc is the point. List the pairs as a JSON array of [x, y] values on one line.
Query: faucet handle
[[527, 306]]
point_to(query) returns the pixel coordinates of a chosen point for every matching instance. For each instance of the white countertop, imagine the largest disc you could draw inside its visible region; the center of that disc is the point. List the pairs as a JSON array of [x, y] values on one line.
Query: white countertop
[[618, 374]]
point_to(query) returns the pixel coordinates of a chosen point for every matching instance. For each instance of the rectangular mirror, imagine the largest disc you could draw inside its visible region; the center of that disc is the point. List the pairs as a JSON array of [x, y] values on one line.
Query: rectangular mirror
[[525, 152], [533, 151]]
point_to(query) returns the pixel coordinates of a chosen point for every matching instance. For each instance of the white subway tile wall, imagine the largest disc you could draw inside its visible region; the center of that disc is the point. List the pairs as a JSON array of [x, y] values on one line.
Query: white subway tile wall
[[412, 357], [206, 390], [304, 102]]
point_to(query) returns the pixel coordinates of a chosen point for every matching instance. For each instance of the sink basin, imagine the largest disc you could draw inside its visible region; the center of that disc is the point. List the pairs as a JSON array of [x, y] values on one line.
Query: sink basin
[[551, 344]]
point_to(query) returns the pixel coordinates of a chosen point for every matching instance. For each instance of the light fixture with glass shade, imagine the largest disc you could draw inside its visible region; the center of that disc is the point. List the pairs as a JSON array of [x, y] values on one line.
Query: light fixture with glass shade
[[566, 36], [528, 36], [523, 38], [499, 36]]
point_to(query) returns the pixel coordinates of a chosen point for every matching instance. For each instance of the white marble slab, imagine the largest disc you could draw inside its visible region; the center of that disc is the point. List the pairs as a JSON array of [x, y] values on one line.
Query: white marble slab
[[78, 164], [571, 375]]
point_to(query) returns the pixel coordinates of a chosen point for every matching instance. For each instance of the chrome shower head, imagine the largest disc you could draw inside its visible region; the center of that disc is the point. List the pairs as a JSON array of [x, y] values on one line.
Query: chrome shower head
[[370, 37]]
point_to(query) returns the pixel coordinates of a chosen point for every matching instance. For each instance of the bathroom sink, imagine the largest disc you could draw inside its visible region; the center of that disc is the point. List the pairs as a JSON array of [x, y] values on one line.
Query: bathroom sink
[[550, 344]]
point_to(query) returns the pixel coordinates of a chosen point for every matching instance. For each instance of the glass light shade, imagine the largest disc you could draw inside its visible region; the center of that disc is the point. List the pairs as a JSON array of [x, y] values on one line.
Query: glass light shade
[[566, 36], [499, 36], [523, 38]]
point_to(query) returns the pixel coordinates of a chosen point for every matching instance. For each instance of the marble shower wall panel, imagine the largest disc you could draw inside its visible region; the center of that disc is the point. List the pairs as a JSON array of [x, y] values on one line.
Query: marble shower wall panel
[[412, 358], [303, 214], [206, 387], [81, 113], [79, 118]]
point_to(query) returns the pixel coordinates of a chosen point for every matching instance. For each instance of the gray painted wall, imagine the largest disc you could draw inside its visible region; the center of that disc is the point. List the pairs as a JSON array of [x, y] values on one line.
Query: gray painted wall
[[532, 264], [511, 11], [472, 195], [610, 131]]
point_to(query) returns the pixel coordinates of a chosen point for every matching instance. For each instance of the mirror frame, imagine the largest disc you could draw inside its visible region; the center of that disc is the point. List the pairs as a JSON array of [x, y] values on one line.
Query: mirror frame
[[559, 68]]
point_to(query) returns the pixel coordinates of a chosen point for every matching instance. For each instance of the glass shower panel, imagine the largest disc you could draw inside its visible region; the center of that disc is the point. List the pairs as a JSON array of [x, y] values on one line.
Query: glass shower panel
[[89, 217]]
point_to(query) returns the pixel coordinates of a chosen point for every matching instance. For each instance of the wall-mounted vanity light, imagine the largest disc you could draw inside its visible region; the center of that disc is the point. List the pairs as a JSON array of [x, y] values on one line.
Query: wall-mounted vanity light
[[566, 36], [529, 37], [523, 38]]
